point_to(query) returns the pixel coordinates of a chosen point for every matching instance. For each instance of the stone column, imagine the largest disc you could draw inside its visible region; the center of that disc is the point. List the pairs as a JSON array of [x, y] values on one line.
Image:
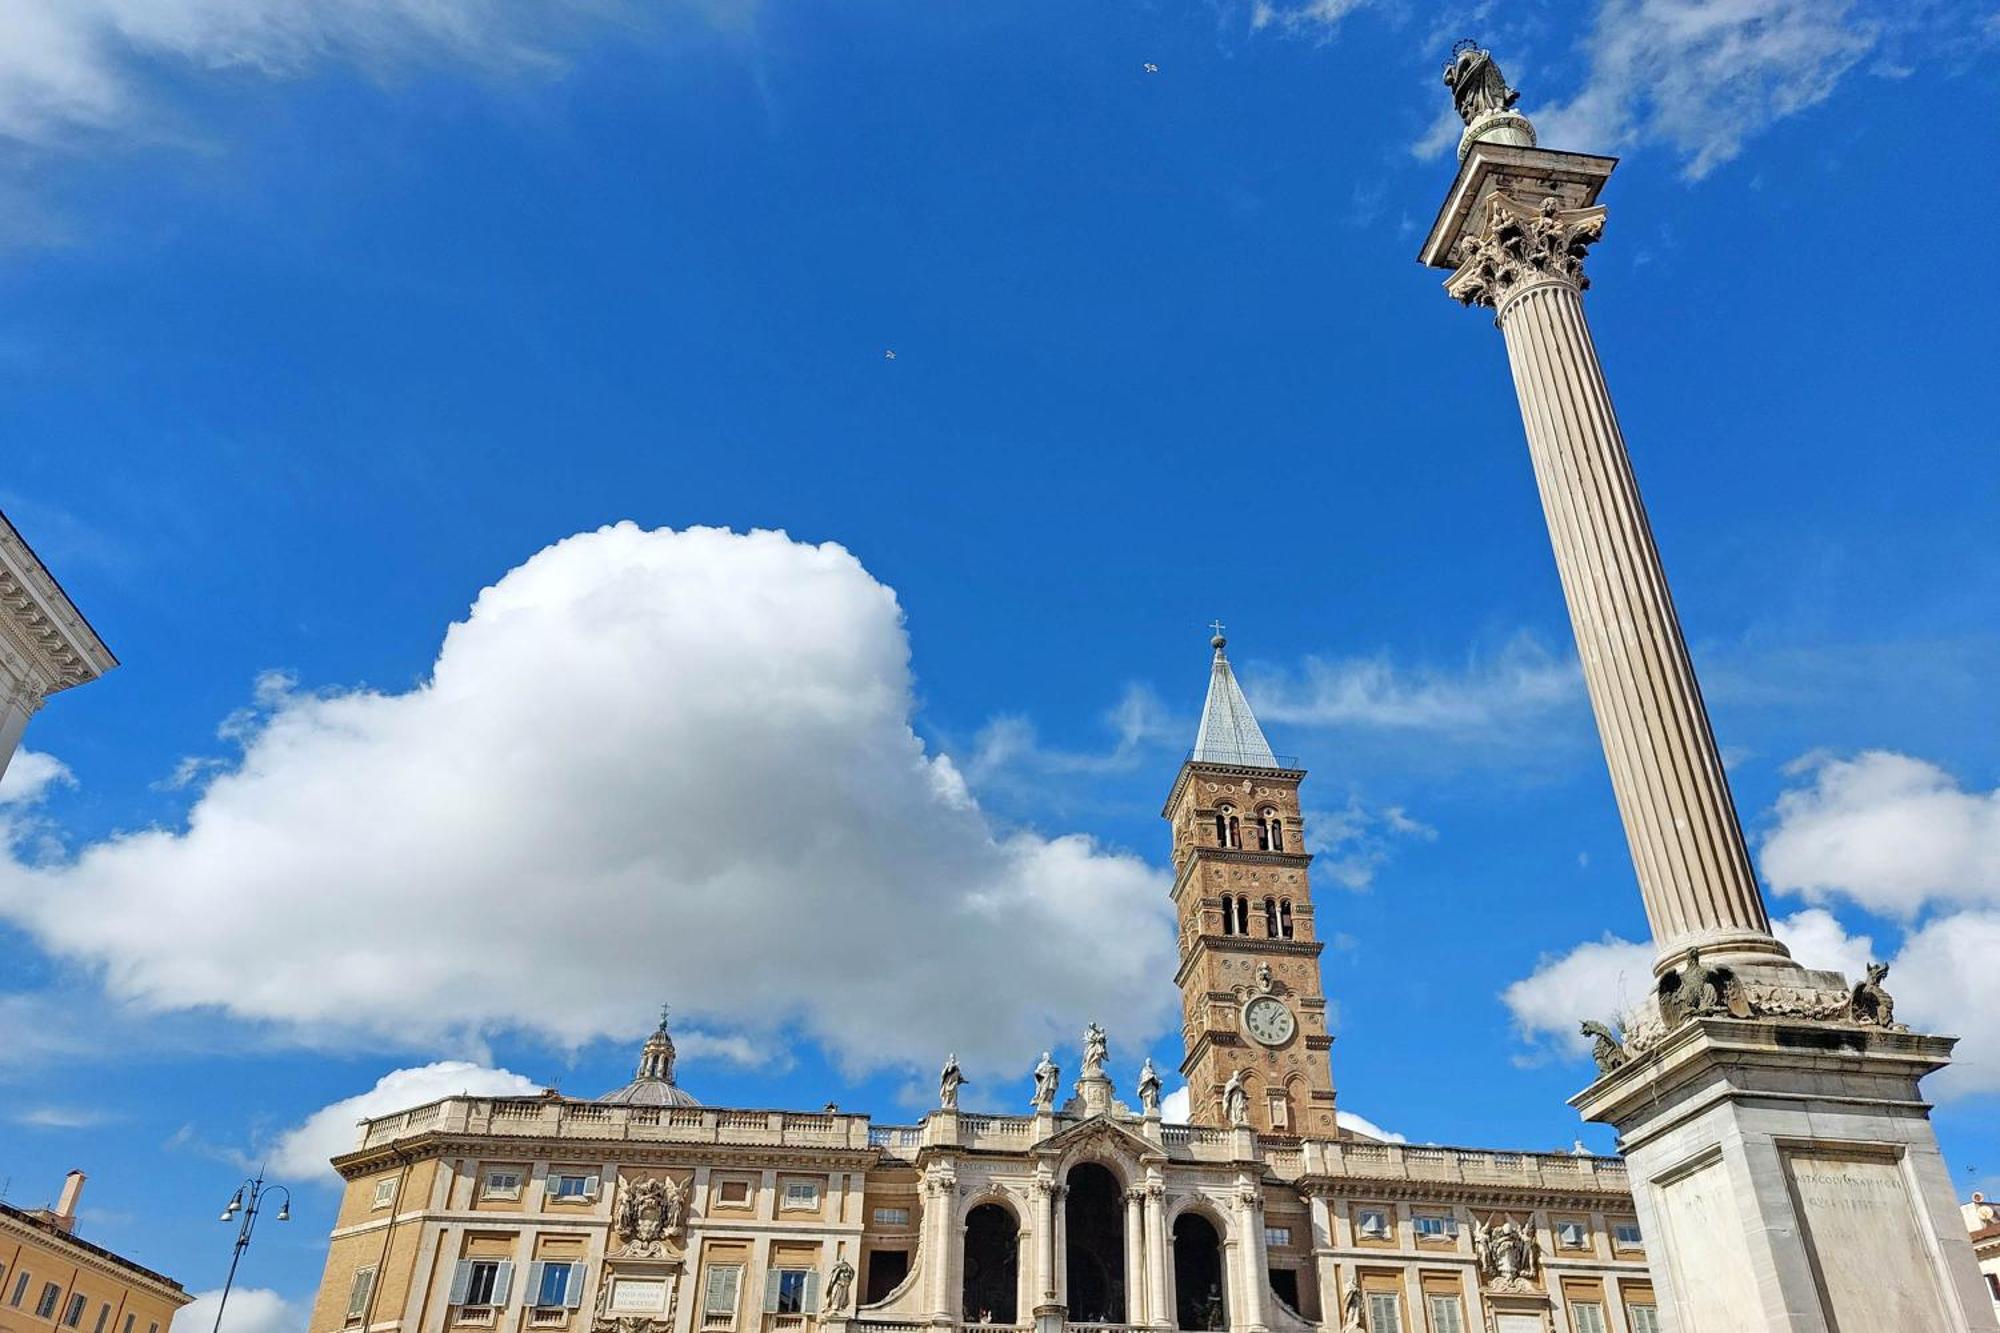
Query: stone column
[[1326, 1267], [1136, 1311], [1783, 1163], [940, 1233], [1517, 243], [1158, 1252], [1251, 1267]]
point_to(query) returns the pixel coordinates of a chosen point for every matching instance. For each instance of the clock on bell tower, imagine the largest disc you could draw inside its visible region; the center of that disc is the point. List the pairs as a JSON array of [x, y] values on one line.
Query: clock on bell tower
[[1251, 1002]]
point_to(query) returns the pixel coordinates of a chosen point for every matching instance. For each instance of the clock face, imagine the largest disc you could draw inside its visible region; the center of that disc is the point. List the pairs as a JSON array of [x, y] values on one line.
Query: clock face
[[1268, 1020]]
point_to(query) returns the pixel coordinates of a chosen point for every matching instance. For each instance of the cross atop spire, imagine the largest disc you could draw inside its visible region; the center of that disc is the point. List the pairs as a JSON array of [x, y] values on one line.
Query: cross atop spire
[[1229, 733]]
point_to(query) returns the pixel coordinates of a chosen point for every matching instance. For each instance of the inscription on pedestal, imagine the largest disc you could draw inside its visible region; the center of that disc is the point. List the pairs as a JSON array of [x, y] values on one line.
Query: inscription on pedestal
[[1714, 1287], [1869, 1258]]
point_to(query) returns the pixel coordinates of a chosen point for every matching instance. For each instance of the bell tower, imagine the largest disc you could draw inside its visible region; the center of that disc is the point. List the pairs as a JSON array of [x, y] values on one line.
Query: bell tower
[[1251, 1003]]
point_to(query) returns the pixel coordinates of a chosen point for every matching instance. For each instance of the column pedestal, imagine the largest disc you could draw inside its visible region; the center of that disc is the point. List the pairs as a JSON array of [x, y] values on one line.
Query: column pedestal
[[1787, 1178]]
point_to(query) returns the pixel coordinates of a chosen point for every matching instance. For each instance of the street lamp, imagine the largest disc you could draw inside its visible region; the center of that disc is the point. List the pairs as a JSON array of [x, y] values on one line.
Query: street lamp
[[249, 1195]]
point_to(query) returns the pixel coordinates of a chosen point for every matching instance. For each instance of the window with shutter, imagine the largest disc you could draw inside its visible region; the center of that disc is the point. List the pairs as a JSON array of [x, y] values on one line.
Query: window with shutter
[[1447, 1316], [1588, 1316], [1645, 1318], [574, 1296], [785, 1290], [363, 1287], [1385, 1313], [720, 1298], [503, 1281], [461, 1281]]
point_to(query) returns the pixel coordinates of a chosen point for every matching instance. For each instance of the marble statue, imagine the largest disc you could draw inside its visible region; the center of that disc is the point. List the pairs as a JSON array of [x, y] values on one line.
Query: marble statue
[[1096, 1050], [839, 1287], [1871, 1004], [1047, 1075], [1352, 1318], [1149, 1090], [1236, 1101], [1696, 990], [950, 1080]]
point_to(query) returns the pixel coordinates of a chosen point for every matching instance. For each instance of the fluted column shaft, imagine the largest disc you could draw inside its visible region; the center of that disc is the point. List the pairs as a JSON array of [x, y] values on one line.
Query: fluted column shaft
[[1687, 844], [1158, 1312]]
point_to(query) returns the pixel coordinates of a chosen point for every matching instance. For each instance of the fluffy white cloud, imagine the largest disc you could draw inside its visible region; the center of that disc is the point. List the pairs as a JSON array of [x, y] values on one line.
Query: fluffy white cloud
[[30, 775], [1604, 979], [1362, 1125], [250, 1310], [1174, 1106], [1511, 693], [647, 765], [1701, 76], [1890, 832], [303, 1151], [1945, 981]]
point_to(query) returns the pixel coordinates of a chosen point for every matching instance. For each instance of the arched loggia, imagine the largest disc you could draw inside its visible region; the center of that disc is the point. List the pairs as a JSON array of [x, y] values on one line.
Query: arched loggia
[[1199, 1286], [1094, 1220], [992, 1265]]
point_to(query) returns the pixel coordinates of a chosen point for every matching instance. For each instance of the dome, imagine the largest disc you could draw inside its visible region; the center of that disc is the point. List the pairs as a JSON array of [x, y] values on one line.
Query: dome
[[653, 1082]]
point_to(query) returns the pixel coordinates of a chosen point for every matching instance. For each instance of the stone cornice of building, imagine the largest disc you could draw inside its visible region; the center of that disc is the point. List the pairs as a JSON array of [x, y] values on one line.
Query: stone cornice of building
[[26, 1226], [1238, 856], [619, 1152], [1192, 766], [1253, 943], [40, 622], [1394, 1170]]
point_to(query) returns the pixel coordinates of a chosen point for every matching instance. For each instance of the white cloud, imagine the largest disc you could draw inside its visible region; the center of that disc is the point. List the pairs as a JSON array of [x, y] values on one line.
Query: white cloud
[[647, 765], [1360, 1124], [303, 1151], [1174, 1107], [1701, 76], [30, 776], [1319, 16], [1889, 832], [1945, 981], [1510, 693], [62, 1117], [250, 1310], [1601, 979], [1352, 844]]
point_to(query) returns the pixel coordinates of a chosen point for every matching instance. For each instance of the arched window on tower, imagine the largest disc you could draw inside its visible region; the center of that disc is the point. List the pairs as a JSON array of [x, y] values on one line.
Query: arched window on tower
[[1228, 915], [1242, 915], [1271, 918], [1227, 831], [1271, 831], [1285, 919]]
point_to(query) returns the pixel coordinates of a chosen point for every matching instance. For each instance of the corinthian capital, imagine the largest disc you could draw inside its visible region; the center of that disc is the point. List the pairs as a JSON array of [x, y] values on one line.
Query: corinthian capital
[[1517, 246]]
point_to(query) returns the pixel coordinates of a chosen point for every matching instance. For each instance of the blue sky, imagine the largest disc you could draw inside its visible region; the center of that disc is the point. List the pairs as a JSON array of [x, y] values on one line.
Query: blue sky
[[313, 326]]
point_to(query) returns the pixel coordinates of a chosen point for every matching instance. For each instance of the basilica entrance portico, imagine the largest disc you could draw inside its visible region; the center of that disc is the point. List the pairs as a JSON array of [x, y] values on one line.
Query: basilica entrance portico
[[1094, 1232]]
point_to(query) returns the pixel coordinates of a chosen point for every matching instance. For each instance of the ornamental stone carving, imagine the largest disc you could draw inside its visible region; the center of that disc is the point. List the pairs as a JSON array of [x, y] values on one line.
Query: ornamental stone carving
[[1508, 1253], [1236, 1101], [839, 1289], [950, 1080], [1872, 1006], [1048, 1075], [1518, 246], [650, 1214], [1607, 1048]]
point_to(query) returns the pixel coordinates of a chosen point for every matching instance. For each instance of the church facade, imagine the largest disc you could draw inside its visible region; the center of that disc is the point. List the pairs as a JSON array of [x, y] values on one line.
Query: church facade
[[646, 1212]]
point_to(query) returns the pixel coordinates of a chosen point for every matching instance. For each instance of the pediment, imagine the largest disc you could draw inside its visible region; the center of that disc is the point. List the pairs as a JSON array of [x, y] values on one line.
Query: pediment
[[1099, 1133]]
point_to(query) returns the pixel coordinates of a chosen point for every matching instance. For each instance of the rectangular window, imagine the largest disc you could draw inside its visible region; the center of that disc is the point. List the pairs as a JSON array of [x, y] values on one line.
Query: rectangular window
[[1572, 1235], [45, 1307], [501, 1185], [1372, 1223], [1645, 1318], [385, 1192], [557, 1284], [801, 1194], [1447, 1315], [130, 1320], [1435, 1226], [719, 1297], [74, 1314], [20, 1288], [572, 1188], [103, 1317], [892, 1217], [788, 1291], [358, 1293], [1588, 1316], [1627, 1236], [1277, 1238], [1385, 1313], [481, 1282], [733, 1192]]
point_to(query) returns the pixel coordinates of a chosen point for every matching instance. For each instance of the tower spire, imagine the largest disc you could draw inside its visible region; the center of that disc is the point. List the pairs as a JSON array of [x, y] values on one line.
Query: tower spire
[[1229, 733]]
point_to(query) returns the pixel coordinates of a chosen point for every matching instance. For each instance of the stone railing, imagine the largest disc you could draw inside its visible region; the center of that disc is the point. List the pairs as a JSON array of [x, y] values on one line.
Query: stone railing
[[1466, 1166], [1200, 1143], [562, 1119]]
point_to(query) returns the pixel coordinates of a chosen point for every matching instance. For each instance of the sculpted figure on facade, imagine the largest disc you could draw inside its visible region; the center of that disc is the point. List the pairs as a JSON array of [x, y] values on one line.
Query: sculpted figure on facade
[[1352, 1317], [1509, 1255], [950, 1080], [650, 1214], [1096, 1050], [839, 1289], [1264, 982], [1047, 1075], [1606, 1048], [1697, 990], [1149, 1090], [1236, 1101]]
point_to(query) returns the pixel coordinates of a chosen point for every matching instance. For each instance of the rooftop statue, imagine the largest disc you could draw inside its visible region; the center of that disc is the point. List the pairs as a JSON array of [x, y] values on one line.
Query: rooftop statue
[[1484, 99]]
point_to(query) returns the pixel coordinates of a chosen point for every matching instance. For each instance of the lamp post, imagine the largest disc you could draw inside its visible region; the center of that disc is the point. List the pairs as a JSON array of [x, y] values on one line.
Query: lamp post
[[249, 1195]]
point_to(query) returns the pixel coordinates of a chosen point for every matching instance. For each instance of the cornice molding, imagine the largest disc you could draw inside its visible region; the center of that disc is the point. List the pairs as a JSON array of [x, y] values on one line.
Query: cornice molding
[[41, 622]]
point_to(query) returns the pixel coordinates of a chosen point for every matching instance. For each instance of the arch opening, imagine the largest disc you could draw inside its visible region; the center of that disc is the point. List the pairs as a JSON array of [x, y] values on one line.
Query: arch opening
[[1094, 1217], [992, 1265], [1198, 1284]]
